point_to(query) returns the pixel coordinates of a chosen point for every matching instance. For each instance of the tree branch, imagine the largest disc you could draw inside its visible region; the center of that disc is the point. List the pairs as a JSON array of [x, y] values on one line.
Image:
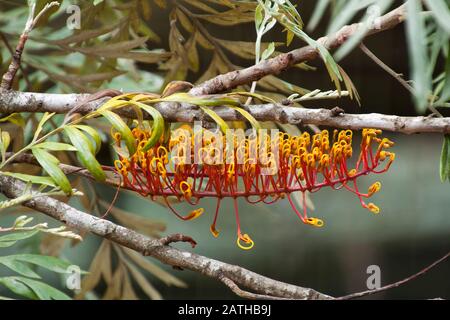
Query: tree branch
[[395, 284], [8, 77], [79, 220], [281, 62], [13, 101]]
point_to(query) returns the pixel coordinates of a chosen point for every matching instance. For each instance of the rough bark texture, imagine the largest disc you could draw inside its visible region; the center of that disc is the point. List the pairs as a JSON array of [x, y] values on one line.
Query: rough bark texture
[[82, 221], [13, 101], [281, 62]]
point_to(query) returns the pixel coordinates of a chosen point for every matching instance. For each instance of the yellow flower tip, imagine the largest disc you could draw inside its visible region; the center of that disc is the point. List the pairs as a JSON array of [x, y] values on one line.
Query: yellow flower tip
[[314, 222], [186, 189], [194, 214], [247, 240], [374, 188], [214, 231], [352, 172], [372, 207]]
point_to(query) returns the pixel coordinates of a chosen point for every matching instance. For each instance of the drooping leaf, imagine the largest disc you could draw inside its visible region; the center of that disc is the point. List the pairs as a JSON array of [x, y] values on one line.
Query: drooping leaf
[[445, 159], [120, 125], [11, 239], [50, 164], [85, 152], [55, 146], [441, 11], [158, 125], [418, 54], [48, 181]]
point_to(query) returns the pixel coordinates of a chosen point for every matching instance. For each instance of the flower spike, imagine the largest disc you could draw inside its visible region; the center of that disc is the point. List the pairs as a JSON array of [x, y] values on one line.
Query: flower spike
[[190, 165]]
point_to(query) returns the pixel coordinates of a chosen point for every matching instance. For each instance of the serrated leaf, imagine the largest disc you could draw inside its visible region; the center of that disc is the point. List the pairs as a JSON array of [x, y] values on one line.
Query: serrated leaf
[[50, 164], [84, 151]]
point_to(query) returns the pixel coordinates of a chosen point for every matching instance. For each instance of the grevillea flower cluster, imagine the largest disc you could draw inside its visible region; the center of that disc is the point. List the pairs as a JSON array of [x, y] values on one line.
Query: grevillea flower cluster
[[259, 167]]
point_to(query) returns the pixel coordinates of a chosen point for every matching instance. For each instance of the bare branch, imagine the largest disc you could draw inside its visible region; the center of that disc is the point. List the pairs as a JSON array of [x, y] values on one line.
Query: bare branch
[[13, 101], [395, 284], [281, 62], [8, 77], [82, 221]]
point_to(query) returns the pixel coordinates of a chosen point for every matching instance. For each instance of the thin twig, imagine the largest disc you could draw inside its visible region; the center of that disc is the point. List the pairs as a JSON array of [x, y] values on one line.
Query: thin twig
[[397, 76], [10, 49], [395, 284], [385, 67], [79, 220], [283, 61], [8, 77]]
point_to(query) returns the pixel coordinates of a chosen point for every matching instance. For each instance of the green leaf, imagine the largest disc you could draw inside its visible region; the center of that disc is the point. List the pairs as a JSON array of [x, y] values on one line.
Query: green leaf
[[18, 287], [415, 29], [440, 9], [14, 118], [56, 146], [222, 124], [445, 95], [93, 134], [268, 52], [255, 124], [120, 125], [42, 291], [85, 154], [19, 267], [444, 169], [318, 13], [10, 239], [258, 16], [48, 181], [5, 140], [158, 125], [48, 262], [50, 164], [43, 120], [366, 23]]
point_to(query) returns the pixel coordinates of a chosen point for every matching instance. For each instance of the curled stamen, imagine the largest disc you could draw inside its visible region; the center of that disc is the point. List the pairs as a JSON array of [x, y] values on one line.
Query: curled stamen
[[247, 240], [202, 164], [374, 188]]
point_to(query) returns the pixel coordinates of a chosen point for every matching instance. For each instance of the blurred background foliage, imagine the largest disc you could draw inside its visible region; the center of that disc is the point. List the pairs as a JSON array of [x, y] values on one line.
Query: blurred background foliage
[[142, 45]]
